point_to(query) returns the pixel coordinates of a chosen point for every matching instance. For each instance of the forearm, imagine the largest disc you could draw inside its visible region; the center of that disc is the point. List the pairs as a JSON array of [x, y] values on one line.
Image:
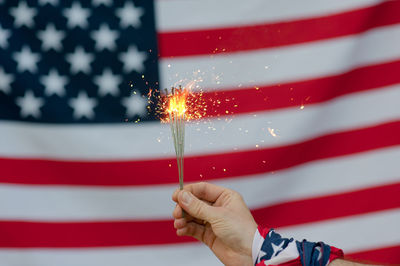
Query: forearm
[[341, 262]]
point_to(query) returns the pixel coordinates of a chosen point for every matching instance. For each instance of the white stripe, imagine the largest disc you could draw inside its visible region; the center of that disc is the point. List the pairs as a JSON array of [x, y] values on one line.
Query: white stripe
[[60, 203], [371, 231], [321, 178], [178, 15], [176, 255], [353, 234], [242, 132], [284, 64]]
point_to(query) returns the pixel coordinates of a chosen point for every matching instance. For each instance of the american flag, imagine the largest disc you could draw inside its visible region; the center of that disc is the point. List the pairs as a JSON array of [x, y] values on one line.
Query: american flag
[[306, 124]]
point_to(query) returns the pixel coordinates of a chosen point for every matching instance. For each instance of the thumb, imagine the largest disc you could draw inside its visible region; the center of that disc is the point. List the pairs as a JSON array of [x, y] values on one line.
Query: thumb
[[196, 207]]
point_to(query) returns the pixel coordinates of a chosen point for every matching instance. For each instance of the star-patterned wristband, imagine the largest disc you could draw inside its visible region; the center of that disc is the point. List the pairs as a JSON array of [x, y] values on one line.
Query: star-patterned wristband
[[269, 248]]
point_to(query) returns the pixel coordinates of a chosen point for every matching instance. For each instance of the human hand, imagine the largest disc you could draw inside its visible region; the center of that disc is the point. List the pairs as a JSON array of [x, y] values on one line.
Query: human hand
[[219, 218]]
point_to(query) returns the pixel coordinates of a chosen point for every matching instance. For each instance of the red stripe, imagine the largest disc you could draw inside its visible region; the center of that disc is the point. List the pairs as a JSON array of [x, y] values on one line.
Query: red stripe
[[329, 207], [301, 93], [386, 255], [132, 233], [244, 38], [163, 171], [86, 234]]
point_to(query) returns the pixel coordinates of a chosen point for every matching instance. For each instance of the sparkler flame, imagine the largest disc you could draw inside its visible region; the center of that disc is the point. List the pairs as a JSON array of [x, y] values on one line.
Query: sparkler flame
[[182, 102], [177, 102], [176, 107], [176, 110]]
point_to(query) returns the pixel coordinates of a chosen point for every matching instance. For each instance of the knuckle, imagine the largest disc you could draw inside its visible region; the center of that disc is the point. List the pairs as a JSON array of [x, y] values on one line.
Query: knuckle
[[237, 195], [202, 184], [202, 189], [199, 209]]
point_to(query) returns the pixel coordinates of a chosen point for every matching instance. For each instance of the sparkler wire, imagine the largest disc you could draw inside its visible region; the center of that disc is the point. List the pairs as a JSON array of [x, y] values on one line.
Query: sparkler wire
[[177, 123]]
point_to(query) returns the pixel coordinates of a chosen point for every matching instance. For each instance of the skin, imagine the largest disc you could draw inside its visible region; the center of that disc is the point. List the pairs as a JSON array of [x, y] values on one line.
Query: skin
[[219, 218], [340, 262]]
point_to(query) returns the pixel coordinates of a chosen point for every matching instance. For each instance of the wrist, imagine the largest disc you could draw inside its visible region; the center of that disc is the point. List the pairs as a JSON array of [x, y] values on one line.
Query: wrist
[[250, 233]]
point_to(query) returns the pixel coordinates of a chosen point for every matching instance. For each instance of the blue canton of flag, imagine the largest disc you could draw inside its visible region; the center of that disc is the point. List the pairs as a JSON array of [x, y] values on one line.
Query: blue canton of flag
[[76, 61]]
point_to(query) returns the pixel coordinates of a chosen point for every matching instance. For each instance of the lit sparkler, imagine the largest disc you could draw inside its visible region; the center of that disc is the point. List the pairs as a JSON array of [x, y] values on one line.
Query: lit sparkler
[[176, 101], [176, 107]]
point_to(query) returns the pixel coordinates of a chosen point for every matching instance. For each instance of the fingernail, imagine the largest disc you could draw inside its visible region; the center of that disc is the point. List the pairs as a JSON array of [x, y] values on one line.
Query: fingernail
[[186, 198]]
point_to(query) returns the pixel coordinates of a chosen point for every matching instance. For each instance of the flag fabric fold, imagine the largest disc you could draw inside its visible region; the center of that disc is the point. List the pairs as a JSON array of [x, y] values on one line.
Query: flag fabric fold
[[302, 119]]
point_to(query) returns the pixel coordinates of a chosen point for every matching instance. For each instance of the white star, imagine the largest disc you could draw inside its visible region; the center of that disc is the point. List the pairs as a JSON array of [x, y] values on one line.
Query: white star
[[83, 106], [135, 104], [4, 35], [80, 61], [5, 81], [23, 15], [108, 83], [133, 59], [51, 38], [54, 83], [105, 38], [130, 15], [77, 16], [51, 2], [276, 248], [30, 105], [26, 60], [101, 2]]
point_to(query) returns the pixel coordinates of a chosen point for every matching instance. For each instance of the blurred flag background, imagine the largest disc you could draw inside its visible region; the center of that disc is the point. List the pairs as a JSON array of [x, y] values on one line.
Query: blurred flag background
[[304, 123]]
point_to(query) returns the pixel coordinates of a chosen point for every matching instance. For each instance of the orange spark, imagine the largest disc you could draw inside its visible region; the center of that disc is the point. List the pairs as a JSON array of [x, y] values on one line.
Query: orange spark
[[181, 102], [177, 101]]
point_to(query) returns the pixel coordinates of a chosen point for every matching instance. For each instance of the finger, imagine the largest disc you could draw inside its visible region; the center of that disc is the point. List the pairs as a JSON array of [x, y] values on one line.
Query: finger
[[175, 195], [180, 223], [182, 231], [193, 230], [205, 191], [202, 190], [197, 208], [177, 212]]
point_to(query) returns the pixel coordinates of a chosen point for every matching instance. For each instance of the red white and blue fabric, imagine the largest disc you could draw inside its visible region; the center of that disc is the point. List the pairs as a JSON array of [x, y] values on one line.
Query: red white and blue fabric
[[269, 248]]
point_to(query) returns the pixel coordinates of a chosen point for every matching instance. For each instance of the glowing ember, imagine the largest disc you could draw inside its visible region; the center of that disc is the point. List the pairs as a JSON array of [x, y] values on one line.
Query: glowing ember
[[181, 102], [176, 107], [272, 132], [177, 102]]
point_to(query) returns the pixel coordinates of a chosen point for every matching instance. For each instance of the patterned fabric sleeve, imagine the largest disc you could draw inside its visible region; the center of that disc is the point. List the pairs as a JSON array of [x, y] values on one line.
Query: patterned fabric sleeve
[[269, 248]]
